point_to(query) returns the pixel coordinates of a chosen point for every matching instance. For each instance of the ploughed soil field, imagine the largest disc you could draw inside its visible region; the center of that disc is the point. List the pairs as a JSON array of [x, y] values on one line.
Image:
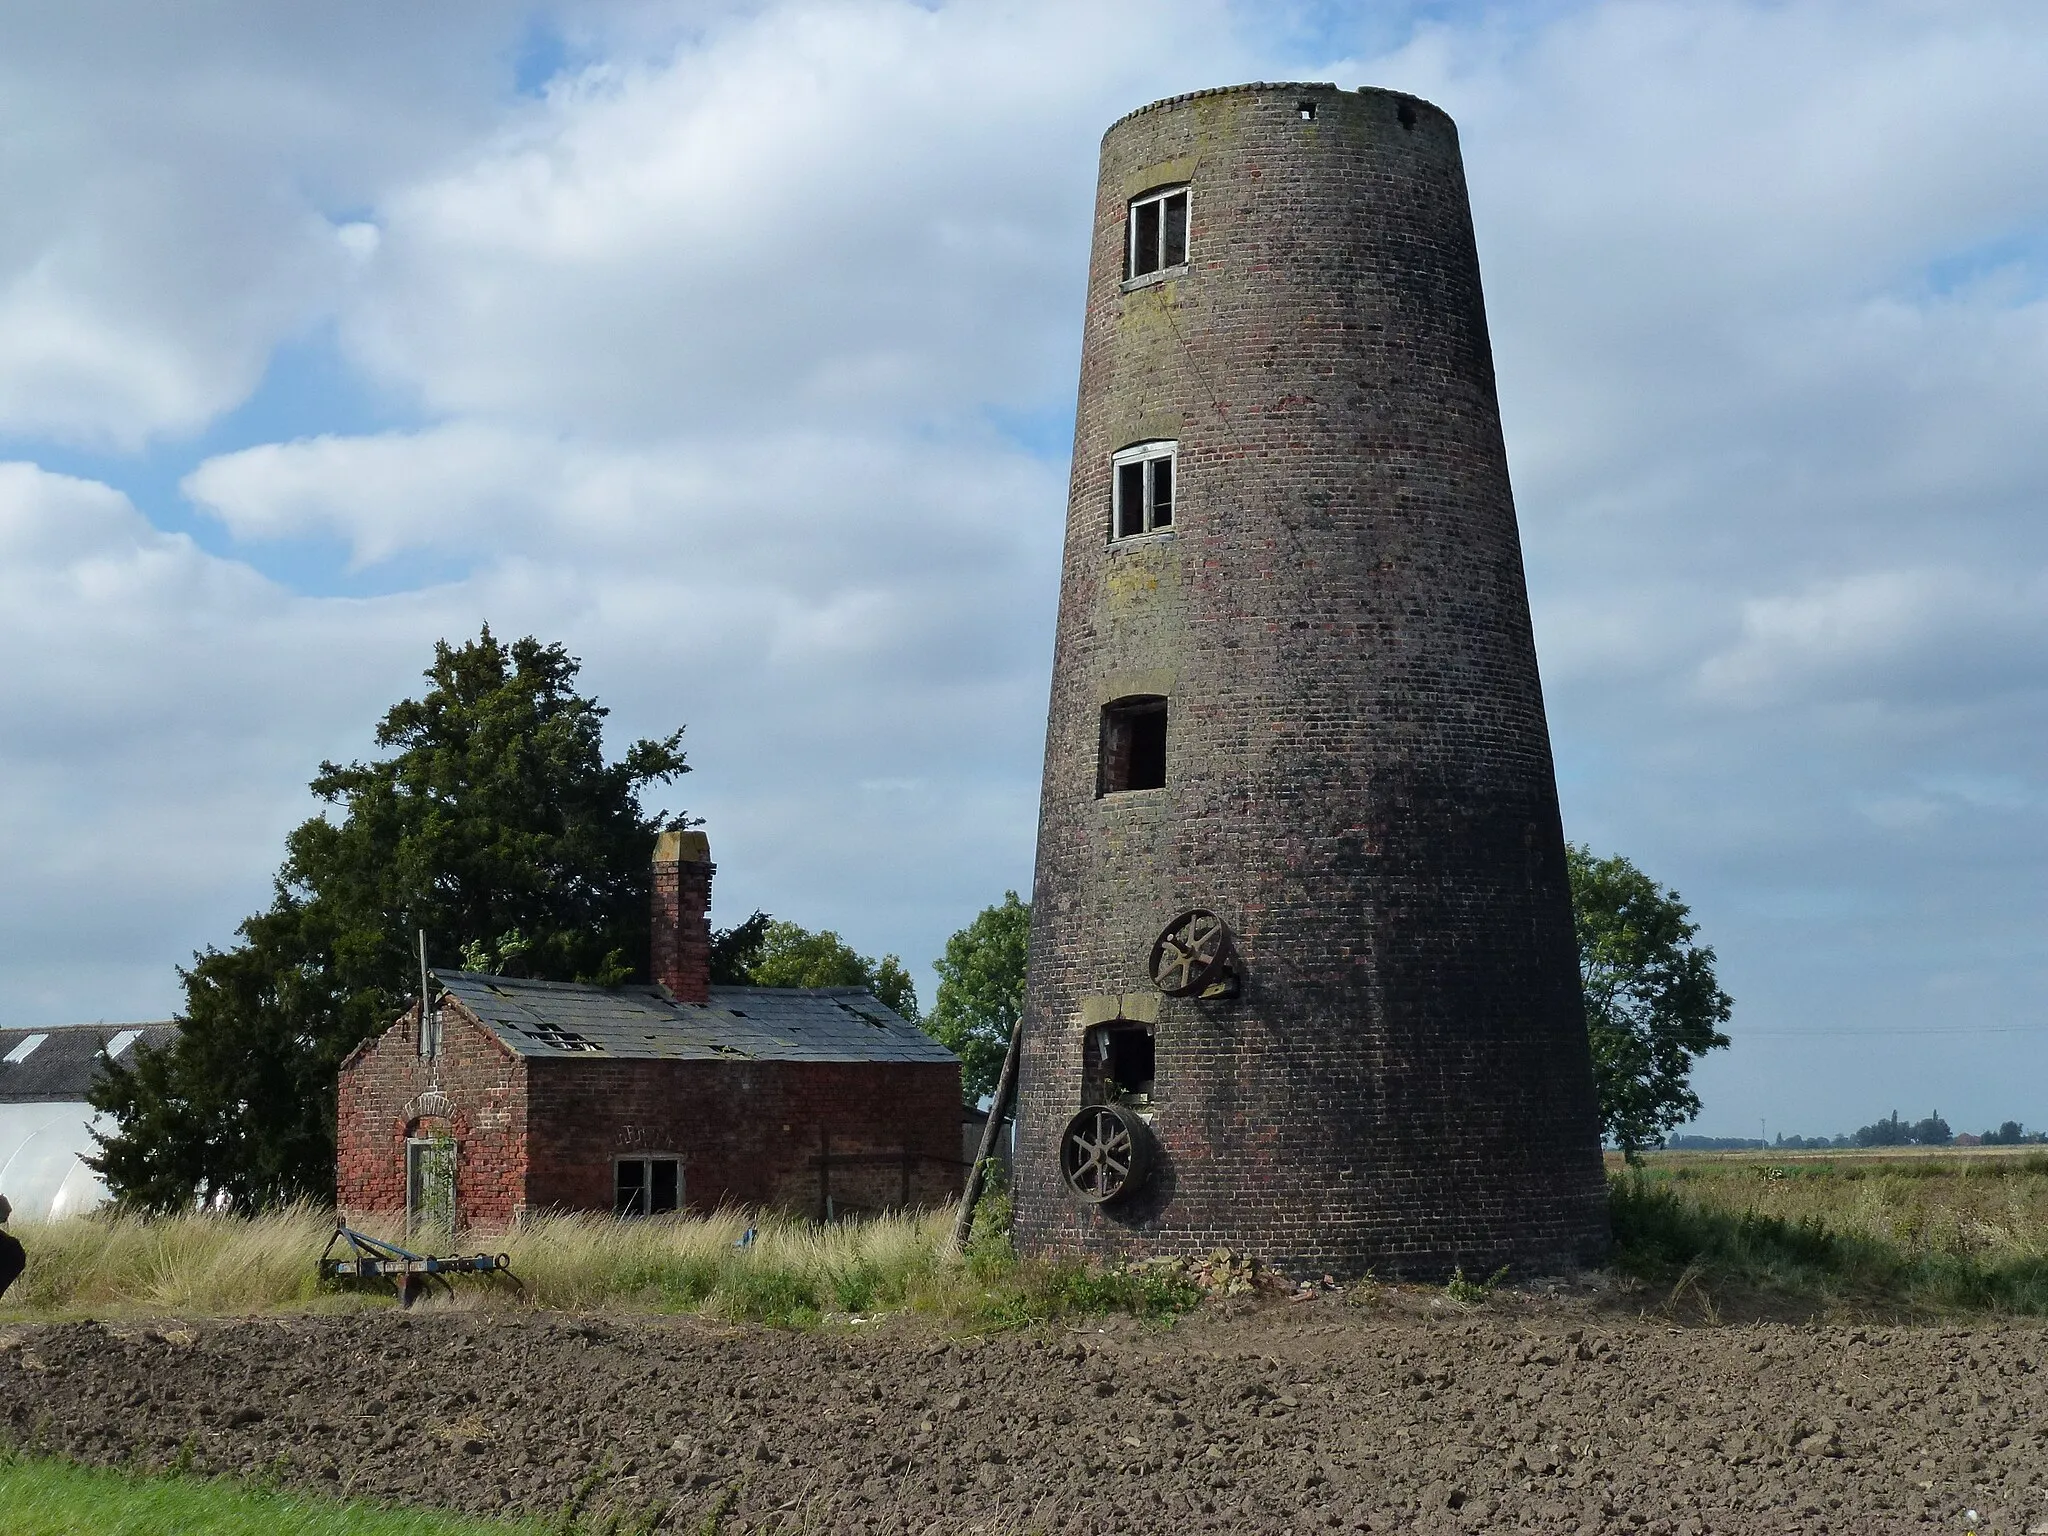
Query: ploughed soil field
[[1524, 1414]]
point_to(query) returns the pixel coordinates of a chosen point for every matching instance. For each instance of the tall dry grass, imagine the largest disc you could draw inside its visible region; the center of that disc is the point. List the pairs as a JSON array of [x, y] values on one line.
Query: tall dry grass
[[1918, 1231], [790, 1272], [196, 1263], [204, 1264]]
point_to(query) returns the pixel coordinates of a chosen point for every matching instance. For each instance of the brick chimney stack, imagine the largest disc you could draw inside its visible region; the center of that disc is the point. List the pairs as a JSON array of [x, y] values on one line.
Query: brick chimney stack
[[680, 958]]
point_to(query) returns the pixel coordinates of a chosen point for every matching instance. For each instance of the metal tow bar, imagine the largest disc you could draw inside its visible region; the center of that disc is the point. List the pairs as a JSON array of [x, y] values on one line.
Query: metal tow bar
[[371, 1258]]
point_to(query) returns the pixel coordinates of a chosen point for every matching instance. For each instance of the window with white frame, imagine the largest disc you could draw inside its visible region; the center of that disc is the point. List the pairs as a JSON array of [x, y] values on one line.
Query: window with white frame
[[1143, 494], [1156, 234], [647, 1186]]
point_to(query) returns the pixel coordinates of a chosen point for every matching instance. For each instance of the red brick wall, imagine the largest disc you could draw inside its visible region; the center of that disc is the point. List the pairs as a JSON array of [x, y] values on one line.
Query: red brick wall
[[475, 1089], [749, 1133], [538, 1134]]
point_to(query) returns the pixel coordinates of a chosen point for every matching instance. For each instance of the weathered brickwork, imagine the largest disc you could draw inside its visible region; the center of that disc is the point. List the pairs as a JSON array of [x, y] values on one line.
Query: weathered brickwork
[[679, 951], [1359, 776], [750, 1133], [474, 1090], [818, 1139]]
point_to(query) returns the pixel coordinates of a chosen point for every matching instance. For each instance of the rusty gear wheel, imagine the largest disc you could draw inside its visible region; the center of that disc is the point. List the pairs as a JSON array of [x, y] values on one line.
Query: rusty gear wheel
[[1105, 1153], [1193, 953]]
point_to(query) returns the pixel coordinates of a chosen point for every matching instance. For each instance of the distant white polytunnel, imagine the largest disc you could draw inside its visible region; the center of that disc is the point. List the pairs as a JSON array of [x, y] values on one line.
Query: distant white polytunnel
[[43, 1148]]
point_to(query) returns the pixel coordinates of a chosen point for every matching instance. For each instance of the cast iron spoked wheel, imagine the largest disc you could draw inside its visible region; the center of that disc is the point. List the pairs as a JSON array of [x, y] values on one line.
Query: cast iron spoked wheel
[[1192, 954], [1105, 1153]]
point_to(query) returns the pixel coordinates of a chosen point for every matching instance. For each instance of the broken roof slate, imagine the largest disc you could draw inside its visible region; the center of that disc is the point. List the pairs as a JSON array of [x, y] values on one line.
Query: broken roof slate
[[575, 1019], [57, 1063]]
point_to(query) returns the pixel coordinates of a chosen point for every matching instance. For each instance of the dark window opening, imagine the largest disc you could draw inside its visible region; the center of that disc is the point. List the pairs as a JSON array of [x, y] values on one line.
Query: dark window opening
[[1130, 500], [647, 1186], [1308, 111], [1118, 1066], [1174, 239], [1144, 490], [1133, 745], [1406, 114], [1158, 233]]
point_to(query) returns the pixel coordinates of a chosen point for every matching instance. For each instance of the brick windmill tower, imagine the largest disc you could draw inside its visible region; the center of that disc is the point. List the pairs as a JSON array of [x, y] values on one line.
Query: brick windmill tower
[[1302, 979]]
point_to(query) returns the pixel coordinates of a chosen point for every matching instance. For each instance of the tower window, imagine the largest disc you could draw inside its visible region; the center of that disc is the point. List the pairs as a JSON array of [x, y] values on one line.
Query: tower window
[[1157, 235], [1117, 1065], [1143, 494], [1133, 745]]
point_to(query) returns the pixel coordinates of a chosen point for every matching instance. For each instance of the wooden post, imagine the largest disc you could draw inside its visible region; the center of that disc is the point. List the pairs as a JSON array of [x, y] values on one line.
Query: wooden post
[[1006, 1087]]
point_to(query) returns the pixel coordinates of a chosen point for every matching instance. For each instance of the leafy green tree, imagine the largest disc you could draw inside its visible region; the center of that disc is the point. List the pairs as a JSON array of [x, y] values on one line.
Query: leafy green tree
[[1653, 1006], [790, 956], [493, 822], [981, 992], [734, 951]]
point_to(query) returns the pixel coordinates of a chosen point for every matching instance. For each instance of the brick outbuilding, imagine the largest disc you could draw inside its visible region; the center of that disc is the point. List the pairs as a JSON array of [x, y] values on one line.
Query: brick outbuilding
[[529, 1096]]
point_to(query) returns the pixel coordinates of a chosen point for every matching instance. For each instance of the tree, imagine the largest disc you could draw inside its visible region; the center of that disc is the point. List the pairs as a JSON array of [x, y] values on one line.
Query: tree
[[790, 956], [734, 951], [1932, 1132], [981, 992], [1652, 1004], [493, 823]]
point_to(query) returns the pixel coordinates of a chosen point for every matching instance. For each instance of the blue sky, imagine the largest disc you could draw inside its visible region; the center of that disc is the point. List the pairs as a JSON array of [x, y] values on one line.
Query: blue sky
[[734, 346]]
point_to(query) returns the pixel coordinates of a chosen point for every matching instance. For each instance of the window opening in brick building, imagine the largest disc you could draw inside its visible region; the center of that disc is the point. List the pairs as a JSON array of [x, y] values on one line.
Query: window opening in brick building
[[1143, 494], [1133, 745], [430, 1183], [1118, 1065], [1158, 232], [647, 1186]]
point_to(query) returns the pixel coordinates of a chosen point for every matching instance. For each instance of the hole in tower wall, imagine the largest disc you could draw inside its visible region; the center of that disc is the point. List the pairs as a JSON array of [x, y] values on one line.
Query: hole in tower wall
[[1133, 745], [1307, 109], [1406, 113], [1118, 1065]]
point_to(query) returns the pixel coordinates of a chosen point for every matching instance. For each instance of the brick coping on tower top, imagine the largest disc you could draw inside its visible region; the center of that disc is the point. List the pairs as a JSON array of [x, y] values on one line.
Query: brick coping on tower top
[[1268, 85]]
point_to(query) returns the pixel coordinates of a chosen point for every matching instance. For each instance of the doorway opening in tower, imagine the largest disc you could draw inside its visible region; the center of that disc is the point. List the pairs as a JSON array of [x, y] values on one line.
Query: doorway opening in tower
[[1133, 745], [1117, 1065]]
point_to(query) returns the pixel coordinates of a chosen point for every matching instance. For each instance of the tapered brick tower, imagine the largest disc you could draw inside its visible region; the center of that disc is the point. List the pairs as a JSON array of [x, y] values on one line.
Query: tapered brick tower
[[1302, 978]]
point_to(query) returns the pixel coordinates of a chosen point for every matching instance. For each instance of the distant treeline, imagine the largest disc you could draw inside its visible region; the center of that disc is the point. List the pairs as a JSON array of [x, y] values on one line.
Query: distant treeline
[[1889, 1132]]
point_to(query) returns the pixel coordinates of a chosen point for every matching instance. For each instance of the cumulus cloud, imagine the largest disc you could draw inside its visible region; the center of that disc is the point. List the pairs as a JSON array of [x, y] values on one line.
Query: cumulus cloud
[[1942, 636], [180, 186], [162, 710]]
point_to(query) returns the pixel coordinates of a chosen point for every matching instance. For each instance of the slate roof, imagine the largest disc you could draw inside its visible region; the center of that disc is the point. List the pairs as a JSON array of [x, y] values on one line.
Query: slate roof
[[570, 1019], [63, 1059]]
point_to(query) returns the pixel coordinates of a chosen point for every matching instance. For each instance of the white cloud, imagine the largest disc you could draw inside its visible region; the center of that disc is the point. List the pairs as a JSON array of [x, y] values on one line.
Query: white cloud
[[1945, 636], [174, 181], [160, 711]]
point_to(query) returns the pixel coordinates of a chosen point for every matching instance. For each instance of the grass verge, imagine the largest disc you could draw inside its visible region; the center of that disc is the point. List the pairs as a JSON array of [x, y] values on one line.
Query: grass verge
[[54, 1498]]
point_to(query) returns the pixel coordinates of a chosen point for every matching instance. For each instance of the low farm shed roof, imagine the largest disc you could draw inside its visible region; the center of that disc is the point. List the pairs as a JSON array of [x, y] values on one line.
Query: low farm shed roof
[[56, 1064], [570, 1019]]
